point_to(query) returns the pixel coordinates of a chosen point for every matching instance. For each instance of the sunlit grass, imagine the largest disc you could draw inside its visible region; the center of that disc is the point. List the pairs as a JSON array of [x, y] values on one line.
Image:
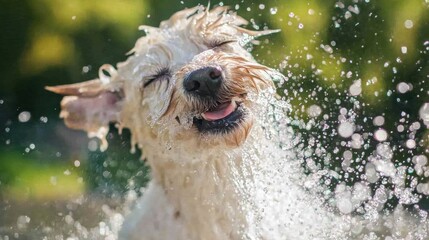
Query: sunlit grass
[[24, 178]]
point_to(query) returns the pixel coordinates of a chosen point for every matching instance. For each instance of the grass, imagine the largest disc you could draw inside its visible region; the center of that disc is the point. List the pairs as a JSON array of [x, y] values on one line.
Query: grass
[[24, 178]]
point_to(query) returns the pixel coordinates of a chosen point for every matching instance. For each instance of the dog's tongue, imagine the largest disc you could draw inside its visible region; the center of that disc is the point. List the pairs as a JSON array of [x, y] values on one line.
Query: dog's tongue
[[220, 112]]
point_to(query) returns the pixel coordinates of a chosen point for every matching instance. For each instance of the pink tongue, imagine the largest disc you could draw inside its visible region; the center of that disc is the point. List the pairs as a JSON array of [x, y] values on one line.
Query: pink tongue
[[220, 112]]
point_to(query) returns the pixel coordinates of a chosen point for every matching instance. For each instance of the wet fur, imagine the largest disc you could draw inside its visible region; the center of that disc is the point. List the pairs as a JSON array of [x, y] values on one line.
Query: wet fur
[[193, 193], [237, 184]]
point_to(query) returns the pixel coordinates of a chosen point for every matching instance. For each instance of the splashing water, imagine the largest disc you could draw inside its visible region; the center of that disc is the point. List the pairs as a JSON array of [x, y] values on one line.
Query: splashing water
[[282, 201], [334, 167], [302, 205]]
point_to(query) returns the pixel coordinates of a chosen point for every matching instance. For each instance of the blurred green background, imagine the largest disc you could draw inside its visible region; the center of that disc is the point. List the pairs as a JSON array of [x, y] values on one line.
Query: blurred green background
[[47, 171]]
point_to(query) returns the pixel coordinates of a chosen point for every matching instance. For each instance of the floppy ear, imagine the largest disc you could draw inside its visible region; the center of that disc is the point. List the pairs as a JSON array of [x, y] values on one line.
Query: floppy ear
[[90, 106]]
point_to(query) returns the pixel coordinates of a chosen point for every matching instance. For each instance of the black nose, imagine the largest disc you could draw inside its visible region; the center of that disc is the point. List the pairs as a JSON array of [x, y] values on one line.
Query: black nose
[[204, 81]]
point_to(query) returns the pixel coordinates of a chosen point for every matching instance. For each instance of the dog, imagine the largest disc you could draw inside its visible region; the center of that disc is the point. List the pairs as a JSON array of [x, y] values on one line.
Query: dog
[[212, 130]]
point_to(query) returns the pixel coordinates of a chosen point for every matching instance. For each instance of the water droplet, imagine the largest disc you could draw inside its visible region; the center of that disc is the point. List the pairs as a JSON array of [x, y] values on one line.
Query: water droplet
[[273, 10], [423, 188], [346, 129], [378, 121], [415, 126], [327, 48], [357, 141], [69, 220], [24, 116], [408, 23], [347, 155], [86, 69], [314, 111], [420, 160], [345, 205], [356, 88], [44, 119], [347, 15], [354, 9], [22, 222], [76, 163], [107, 174], [380, 135], [410, 143], [92, 145], [403, 87]]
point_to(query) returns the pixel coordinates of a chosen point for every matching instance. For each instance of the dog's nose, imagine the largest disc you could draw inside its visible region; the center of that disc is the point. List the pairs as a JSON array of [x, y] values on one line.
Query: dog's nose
[[204, 81]]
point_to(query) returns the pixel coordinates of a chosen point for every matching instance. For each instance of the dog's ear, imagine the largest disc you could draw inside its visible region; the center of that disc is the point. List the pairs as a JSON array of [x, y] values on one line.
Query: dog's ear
[[90, 106]]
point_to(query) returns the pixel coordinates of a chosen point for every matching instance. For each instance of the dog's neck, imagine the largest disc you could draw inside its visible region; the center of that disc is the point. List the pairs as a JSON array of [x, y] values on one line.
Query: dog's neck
[[210, 188]]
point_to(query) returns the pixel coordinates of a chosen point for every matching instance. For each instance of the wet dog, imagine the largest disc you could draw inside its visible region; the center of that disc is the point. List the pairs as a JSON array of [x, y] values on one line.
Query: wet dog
[[189, 94], [217, 141]]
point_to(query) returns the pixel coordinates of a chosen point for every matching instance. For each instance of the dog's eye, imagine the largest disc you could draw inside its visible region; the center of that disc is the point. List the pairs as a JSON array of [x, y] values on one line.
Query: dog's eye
[[218, 43], [159, 75]]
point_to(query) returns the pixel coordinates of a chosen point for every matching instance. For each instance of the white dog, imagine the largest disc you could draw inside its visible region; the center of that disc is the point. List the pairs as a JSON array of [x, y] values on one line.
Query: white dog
[[214, 136]]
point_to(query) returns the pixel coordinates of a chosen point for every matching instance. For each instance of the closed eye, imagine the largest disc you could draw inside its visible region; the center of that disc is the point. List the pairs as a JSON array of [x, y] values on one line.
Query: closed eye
[[218, 43], [162, 73]]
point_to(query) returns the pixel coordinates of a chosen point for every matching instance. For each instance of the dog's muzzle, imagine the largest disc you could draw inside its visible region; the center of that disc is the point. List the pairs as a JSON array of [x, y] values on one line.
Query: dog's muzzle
[[205, 83]]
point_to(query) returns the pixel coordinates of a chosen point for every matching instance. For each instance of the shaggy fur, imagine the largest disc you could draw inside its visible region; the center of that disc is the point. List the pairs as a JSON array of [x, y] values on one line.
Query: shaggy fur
[[232, 184], [193, 194]]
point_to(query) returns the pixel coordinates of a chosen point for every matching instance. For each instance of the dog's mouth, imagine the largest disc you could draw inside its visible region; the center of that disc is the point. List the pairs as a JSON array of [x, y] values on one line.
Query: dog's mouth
[[221, 119]]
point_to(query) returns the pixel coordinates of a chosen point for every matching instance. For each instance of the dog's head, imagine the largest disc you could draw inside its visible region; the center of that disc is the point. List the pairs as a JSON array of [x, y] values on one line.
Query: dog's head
[[191, 78]]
